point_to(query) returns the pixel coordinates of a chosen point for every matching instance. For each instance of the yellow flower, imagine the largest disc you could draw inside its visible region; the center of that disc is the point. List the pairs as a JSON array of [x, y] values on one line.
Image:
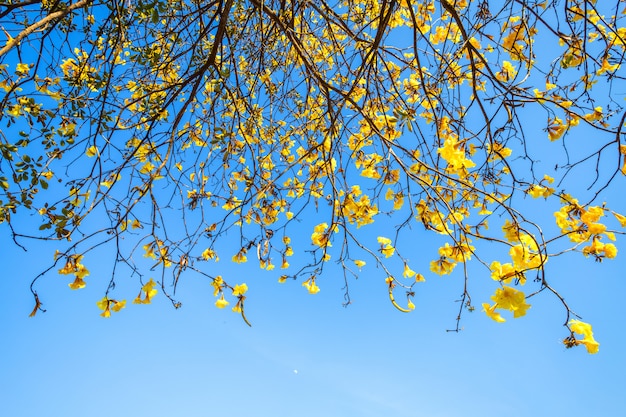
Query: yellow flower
[[148, 291], [15, 110], [22, 69], [118, 305], [77, 284], [507, 73], [311, 286], [92, 151], [240, 289], [69, 67], [387, 250], [606, 66], [537, 191], [81, 271], [505, 272], [581, 328], [556, 128], [319, 236], [511, 299], [359, 264], [610, 251], [149, 248], [221, 302], [442, 266], [385, 246], [240, 257], [107, 304], [209, 254], [47, 174], [620, 218], [491, 313], [591, 345], [217, 284], [313, 289], [584, 329], [408, 272]]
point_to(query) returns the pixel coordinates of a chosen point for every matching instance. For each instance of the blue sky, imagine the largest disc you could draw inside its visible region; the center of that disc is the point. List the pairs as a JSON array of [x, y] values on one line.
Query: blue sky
[[306, 355]]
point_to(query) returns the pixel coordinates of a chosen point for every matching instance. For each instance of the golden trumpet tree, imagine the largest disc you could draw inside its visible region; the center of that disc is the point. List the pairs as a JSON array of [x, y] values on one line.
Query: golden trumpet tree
[[163, 129]]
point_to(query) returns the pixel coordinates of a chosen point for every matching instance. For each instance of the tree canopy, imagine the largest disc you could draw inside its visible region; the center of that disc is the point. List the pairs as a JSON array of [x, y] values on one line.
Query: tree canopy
[[179, 132]]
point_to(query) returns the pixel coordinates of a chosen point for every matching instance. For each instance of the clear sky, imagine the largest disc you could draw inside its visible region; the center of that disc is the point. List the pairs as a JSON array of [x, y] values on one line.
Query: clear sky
[[306, 355]]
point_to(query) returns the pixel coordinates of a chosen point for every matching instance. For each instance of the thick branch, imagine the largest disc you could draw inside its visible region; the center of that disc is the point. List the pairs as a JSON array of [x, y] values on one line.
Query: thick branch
[[43, 22]]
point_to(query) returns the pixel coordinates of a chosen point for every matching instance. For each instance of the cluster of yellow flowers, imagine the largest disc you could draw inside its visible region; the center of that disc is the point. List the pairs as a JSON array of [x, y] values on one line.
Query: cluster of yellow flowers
[[453, 150], [157, 250], [386, 248], [311, 286], [584, 329], [320, 236], [238, 291], [148, 291], [506, 298], [73, 266], [582, 225], [449, 256], [107, 305], [360, 211]]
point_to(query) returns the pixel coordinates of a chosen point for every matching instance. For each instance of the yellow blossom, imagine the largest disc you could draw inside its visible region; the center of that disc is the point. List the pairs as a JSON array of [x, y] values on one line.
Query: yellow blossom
[[509, 298], [507, 73], [209, 254], [108, 305], [385, 246], [92, 151], [217, 284], [491, 313], [320, 236], [595, 116], [240, 289], [442, 266], [610, 251], [22, 69], [77, 284], [221, 302], [620, 218], [556, 128], [606, 66], [585, 330], [359, 264], [240, 257], [408, 272], [148, 291], [118, 305], [311, 286]]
